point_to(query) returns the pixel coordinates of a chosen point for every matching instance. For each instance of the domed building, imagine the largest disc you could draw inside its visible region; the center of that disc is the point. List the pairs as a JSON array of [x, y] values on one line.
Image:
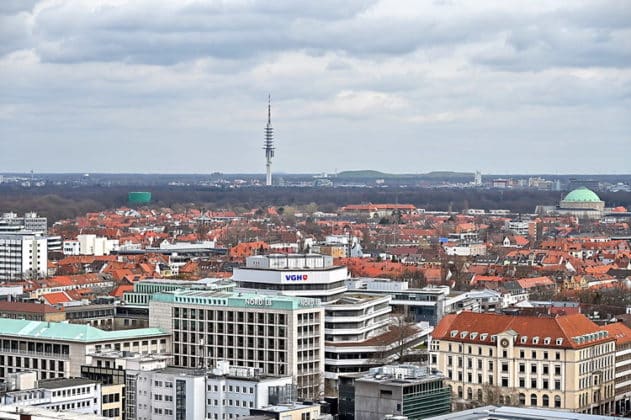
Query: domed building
[[583, 203]]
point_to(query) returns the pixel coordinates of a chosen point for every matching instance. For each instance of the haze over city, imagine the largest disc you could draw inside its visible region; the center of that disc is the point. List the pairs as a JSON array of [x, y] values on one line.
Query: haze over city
[[397, 86]]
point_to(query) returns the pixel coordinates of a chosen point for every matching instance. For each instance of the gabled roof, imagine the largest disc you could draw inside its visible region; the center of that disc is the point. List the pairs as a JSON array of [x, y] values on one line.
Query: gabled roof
[[619, 331], [532, 330]]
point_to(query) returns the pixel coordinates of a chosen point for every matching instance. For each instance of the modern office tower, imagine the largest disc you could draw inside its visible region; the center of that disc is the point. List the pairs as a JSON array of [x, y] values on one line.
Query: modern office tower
[[280, 335]]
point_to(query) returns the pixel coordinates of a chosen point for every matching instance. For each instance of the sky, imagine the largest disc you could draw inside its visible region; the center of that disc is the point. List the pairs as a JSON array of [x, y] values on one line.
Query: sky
[[163, 86]]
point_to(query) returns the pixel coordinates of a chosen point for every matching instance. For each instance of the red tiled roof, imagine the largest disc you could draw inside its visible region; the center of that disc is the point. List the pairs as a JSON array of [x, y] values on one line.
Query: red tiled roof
[[56, 298], [565, 327], [619, 331]]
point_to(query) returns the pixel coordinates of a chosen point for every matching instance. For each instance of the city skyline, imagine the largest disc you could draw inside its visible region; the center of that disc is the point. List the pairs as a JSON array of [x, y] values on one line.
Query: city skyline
[[394, 86]]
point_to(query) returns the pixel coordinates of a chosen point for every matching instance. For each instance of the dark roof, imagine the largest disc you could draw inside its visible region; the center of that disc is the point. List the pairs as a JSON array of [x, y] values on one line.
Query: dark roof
[[39, 308], [65, 382]]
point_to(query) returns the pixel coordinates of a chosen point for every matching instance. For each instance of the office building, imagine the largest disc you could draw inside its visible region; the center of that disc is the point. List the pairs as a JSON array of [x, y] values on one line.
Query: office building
[[57, 350], [565, 362], [622, 334], [231, 392], [23, 256], [304, 275], [410, 391], [79, 395], [281, 335], [170, 393]]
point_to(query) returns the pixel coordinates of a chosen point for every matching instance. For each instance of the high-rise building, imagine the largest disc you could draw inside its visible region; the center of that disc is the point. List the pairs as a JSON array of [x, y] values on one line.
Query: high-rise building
[[280, 335], [23, 256]]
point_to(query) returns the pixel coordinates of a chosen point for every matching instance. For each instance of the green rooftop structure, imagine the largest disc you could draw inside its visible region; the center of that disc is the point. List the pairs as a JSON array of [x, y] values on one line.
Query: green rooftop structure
[[582, 195], [58, 349], [62, 331], [139, 197]]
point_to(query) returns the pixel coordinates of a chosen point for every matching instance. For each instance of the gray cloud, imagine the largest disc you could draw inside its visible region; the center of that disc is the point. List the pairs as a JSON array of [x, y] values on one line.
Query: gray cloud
[[394, 85]]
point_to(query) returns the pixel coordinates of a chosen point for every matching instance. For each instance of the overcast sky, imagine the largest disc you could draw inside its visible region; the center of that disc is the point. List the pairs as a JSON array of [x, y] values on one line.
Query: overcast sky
[[398, 86]]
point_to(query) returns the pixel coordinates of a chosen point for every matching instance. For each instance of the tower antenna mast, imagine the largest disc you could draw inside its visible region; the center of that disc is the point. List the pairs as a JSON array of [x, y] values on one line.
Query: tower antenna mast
[[268, 144]]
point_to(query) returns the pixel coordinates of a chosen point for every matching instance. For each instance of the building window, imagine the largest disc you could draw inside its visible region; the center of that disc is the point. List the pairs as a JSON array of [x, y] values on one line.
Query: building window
[[546, 400], [557, 402], [533, 400]]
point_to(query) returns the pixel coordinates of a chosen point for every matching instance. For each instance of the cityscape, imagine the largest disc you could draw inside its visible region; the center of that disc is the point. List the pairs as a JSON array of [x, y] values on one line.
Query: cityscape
[[366, 210]]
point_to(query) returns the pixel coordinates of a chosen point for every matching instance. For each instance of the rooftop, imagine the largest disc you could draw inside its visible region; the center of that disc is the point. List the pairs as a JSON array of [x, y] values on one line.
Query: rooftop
[[63, 331], [582, 195], [491, 412], [566, 331], [64, 382]]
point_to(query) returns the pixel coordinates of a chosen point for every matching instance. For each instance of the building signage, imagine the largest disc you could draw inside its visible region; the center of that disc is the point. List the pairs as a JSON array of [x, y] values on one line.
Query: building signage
[[309, 302], [296, 277], [259, 301]]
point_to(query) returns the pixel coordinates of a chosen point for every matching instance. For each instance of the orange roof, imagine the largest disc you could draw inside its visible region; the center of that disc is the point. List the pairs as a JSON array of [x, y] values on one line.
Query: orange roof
[[56, 298], [527, 283], [118, 292], [619, 331], [527, 327]]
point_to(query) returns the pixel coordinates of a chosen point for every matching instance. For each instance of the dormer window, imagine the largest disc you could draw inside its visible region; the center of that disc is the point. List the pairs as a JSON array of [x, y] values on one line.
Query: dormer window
[[454, 333], [473, 335], [546, 340], [559, 341], [463, 334], [524, 339], [535, 340], [483, 336], [493, 338]]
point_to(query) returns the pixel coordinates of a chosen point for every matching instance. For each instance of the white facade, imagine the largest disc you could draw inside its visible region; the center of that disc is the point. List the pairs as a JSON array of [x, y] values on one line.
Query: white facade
[[78, 395], [95, 245], [166, 393], [23, 256], [71, 247], [231, 392], [308, 275], [281, 335]]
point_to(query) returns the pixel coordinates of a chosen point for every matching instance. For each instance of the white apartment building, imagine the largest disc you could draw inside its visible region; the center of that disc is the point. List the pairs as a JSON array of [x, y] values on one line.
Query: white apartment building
[[23, 256], [281, 335], [232, 391], [304, 275]]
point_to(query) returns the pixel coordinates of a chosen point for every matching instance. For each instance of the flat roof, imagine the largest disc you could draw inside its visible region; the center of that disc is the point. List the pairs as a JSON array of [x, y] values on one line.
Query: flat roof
[[63, 331], [64, 382], [491, 412]]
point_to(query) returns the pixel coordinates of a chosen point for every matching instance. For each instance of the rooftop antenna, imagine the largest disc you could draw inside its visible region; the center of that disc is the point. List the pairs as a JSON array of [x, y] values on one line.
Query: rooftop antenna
[[268, 144]]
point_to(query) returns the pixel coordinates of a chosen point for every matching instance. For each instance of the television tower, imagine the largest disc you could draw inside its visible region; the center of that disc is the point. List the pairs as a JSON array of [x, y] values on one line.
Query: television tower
[[268, 144]]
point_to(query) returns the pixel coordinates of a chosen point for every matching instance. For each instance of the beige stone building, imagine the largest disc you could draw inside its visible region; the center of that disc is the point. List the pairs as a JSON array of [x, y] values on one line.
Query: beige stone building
[[563, 362]]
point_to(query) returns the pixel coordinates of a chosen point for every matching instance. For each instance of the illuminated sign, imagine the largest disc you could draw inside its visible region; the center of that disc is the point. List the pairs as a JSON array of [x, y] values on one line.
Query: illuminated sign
[[259, 301], [296, 277]]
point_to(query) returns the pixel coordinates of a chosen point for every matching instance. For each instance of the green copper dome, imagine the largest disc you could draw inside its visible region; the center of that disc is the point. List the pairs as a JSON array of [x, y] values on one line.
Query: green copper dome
[[582, 195]]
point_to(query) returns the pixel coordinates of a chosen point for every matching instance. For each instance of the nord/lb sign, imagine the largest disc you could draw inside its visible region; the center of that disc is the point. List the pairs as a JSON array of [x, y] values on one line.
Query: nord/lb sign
[[296, 277]]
